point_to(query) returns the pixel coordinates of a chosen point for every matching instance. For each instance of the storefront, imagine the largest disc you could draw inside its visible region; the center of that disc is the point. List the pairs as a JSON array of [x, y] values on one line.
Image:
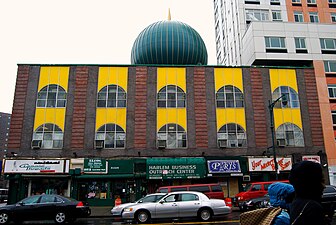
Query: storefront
[[103, 181], [174, 171], [263, 168], [29, 177], [228, 173]]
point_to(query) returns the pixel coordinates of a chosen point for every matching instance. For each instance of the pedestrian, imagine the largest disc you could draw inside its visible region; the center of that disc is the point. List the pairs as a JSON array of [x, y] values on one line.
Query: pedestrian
[[308, 182]]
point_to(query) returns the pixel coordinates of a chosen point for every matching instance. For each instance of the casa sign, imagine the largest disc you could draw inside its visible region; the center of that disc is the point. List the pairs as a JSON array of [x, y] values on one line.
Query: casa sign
[[267, 164], [37, 166]]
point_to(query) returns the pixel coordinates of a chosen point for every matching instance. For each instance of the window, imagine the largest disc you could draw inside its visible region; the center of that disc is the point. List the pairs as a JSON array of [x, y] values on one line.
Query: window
[[229, 97], [292, 97], [216, 188], [333, 114], [256, 187], [257, 15], [300, 45], [331, 1], [189, 197], [291, 133], [275, 2], [47, 199], [171, 96], [200, 188], [275, 44], [296, 1], [313, 16], [179, 189], [330, 66], [31, 200], [233, 134], [333, 17], [328, 45], [332, 90], [112, 135], [276, 15], [298, 17], [311, 2], [50, 135], [174, 135], [51, 96], [111, 96]]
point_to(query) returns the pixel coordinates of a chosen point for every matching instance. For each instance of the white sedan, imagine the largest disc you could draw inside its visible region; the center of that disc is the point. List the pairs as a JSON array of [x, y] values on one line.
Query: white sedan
[[117, 210], [182, 204]]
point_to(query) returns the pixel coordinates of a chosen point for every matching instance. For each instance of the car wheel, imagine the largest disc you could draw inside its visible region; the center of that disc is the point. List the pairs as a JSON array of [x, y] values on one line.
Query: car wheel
[[205, 214], [142, 216], [4, 218], [60, 217]]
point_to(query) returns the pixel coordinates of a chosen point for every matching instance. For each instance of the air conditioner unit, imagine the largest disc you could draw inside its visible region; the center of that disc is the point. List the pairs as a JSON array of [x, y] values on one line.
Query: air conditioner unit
[[162, 144], [246, 178], [36, 144], [222, 143], [281, 142], [99, 144]]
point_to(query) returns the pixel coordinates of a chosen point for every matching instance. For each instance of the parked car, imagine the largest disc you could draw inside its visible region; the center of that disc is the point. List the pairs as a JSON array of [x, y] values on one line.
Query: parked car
[[117, 210], [175, 205], [251, 191], [210, 190], [256, 203], [44, 207]]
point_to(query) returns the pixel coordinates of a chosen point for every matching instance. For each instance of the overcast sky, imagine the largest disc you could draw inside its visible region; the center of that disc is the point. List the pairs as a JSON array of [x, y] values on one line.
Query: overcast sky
[[86, 32]]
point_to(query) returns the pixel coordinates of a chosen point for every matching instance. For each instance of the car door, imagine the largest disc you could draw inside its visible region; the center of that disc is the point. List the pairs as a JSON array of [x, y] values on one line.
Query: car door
[[167, 207], [188, 205], [26, 209], [47, 207]]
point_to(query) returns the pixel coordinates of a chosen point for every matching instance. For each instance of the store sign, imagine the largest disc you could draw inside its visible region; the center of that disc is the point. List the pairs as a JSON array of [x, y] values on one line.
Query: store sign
[[313, 158], [267, 164], [176, 168], [95, 166], [120, 166], [37, 166], [224, 166]]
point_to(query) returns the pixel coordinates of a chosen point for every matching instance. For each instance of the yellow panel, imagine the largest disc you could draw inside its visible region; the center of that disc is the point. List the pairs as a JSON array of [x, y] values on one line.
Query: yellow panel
[[112, 75], [178, 116], [283, 77], [49, 115], [171, 76], [228, 76], [230, 115], [54, 75], [111, 115], [287, 115]]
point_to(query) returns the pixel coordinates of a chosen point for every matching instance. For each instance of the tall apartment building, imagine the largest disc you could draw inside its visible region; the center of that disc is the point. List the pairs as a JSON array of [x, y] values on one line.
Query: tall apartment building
[[284, 33]]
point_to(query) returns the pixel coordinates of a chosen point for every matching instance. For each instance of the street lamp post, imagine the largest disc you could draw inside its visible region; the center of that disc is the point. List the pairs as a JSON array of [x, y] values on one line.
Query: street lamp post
[[270, 107]]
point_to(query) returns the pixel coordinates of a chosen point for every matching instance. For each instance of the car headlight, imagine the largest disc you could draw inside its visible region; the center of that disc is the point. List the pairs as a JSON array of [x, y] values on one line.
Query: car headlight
[[128, 210]]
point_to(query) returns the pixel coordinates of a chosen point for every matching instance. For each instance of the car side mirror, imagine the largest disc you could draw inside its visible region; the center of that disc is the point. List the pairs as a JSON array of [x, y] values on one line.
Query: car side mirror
[[161, 201], [21, 203], [140, 201]]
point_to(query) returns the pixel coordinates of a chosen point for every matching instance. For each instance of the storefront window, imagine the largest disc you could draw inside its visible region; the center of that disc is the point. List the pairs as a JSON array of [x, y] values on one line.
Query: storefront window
[[49, 186], [97, 190]]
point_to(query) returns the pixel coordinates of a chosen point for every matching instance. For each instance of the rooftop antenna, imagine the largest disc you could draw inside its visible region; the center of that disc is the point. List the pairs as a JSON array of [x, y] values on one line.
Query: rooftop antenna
[[169, 16]]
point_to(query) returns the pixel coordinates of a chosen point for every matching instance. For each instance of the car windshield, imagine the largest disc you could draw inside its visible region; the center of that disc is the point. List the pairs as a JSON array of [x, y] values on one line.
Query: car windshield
[[247, 187]]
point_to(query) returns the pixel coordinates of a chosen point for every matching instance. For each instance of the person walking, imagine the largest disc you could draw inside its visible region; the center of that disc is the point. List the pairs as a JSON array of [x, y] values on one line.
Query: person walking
[[308, 182]]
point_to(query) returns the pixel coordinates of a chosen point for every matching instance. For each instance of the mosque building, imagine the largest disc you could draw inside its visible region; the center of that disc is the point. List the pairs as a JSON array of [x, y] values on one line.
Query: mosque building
[[96, 132]]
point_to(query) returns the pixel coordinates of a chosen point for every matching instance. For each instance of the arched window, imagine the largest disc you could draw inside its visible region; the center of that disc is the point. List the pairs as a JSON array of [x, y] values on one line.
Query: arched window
[[231, 135], [112, 135], [292, 97], [111, 96], [289, 134], [171, 96], [51, 96], [50, 135], [229, 97], [174, 135]]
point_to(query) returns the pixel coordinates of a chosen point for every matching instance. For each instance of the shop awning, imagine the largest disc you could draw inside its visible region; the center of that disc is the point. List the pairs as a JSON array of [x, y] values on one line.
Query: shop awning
[[176, 168], [108, 176]]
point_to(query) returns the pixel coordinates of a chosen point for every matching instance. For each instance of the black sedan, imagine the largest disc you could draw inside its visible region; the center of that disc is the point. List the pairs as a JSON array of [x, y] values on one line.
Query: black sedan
[[44, 207], [256, 203]]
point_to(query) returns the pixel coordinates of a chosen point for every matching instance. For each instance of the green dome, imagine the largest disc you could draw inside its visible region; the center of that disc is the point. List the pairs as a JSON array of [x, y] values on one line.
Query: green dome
[[169, 42]]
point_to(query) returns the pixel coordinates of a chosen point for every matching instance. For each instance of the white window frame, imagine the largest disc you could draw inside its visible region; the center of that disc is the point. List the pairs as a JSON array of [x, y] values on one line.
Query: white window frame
[[332, 91], [331, 1], [276, 15], [311, 1], [333, 115], [281, 40], [326, 42], [301, 42], [333, 17], [298, 17], [296, 1], [313, 17], [276, 1], [252, 15], [330, 66]]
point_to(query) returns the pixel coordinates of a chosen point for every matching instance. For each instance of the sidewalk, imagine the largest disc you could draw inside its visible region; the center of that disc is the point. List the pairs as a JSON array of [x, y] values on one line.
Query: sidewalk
[[100, 211]]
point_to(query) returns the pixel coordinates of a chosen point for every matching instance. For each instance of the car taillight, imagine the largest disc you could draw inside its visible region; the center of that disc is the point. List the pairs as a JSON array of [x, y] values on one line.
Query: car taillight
[[80, 205]]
